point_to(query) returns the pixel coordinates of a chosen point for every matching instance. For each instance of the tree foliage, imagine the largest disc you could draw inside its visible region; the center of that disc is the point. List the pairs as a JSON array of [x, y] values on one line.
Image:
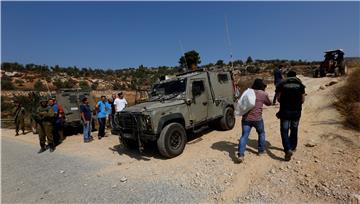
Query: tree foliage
[[84, 85], [220, 62], [118, 86], [94, 85], [249, 60], [192, 59], [6, 84]]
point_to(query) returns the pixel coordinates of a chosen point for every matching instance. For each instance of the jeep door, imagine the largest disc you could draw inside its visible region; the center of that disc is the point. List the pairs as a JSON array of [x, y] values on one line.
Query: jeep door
[[199, 95]]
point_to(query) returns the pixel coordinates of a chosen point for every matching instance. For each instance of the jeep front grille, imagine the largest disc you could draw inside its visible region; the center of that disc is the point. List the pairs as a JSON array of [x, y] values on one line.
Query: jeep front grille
[[128, 122]]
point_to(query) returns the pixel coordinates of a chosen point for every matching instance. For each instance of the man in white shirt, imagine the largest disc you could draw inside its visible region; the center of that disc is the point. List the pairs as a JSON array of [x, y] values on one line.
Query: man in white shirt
[[120, 103]]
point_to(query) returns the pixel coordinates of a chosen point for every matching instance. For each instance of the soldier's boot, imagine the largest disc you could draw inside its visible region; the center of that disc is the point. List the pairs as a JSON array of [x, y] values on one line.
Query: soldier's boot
[[52, 147], [17, 134], [23, 132], [42, 149]]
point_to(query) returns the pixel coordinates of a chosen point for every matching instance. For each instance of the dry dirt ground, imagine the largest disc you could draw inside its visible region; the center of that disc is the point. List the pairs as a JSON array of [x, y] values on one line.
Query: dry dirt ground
[[324, 169]]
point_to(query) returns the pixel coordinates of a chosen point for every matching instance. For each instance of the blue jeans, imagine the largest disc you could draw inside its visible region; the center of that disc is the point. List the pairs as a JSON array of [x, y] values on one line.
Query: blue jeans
[[87, 130], [246, 128], [289, 143]]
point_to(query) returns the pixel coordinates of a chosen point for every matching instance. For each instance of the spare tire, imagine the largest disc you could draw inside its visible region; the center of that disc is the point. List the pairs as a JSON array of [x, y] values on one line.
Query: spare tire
[[227, 122]]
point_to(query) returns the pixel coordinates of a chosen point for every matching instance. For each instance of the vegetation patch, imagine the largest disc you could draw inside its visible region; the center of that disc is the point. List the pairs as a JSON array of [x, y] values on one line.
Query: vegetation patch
[[348, 102]]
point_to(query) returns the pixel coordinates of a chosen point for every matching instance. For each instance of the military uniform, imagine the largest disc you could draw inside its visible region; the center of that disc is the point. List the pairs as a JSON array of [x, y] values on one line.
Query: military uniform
[[19, 119], [45, 119]]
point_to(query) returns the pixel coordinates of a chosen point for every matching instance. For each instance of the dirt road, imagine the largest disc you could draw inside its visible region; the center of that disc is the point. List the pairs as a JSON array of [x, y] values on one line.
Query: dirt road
[[325, 168]]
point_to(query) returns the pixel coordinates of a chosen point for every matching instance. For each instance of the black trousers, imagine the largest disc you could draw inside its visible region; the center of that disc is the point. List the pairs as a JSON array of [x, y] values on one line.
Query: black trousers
[[102, 123]]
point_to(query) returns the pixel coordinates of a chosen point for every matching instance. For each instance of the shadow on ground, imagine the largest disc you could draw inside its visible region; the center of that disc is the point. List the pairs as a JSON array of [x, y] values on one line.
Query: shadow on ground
[[232, 148], [150, 150]]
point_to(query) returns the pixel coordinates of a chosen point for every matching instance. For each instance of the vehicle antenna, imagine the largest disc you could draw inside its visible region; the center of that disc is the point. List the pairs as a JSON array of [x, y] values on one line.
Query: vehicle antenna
[[183, 54], [229, 42]]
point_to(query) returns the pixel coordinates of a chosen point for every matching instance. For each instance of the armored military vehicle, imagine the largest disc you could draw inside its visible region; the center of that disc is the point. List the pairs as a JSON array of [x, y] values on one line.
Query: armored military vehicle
[[333, 64], [70, 100], [176, 107]]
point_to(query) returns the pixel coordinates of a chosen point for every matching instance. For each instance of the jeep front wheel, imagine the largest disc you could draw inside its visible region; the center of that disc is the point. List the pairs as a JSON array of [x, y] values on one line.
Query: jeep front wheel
[[172, 140], [227, 122]]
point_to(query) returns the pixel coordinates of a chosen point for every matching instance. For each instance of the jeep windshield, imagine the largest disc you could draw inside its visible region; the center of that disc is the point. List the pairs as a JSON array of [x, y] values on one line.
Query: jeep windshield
[[168, 90]]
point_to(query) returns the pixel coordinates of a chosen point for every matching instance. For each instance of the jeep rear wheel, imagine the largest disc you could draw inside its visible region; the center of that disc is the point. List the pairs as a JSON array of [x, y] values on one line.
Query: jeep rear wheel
[[227, 122], [172, 140]]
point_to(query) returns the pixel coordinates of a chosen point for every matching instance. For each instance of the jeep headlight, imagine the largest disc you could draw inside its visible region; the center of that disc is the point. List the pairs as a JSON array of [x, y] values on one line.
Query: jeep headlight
[[147, 122]]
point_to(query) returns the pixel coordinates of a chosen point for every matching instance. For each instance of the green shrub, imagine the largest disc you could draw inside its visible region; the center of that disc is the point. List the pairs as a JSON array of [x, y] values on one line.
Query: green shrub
[[84, 85], [38, 86], [94, 85], [7, 84]]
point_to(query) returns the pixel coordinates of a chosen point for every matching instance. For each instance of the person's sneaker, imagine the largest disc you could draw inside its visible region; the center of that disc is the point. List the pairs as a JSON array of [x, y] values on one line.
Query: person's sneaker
[[41, 150], [52, 147], [261, 153], [239, 158], [288, 155]]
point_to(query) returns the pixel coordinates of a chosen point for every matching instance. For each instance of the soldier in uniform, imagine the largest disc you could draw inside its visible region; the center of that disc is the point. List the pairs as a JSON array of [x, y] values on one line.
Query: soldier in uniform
[[19, 118], [45, 117], [34, 101]]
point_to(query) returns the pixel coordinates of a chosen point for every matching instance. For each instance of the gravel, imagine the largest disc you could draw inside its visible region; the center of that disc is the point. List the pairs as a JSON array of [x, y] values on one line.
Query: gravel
[[28, 177]]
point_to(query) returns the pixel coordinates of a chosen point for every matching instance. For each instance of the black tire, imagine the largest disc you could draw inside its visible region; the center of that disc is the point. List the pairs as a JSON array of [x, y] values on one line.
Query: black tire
[[227, 122], [322, 72], [129, 143], [172, 140]]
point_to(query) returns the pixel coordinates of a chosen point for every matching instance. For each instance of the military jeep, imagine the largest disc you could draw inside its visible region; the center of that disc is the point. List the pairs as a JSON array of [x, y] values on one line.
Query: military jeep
[[70, 100], [333, 63], [177, 107]]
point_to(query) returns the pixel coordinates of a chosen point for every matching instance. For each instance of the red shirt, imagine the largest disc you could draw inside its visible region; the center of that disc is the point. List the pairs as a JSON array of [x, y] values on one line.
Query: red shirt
[[255, 114]]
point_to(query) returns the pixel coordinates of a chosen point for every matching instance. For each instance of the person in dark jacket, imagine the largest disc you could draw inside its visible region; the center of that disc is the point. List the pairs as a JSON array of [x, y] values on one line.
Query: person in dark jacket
[[277, 79], [291, 96], [85, 113]]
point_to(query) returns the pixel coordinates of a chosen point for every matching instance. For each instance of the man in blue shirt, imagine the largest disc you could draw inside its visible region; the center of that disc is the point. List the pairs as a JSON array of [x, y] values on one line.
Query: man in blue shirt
[[102, 111]]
